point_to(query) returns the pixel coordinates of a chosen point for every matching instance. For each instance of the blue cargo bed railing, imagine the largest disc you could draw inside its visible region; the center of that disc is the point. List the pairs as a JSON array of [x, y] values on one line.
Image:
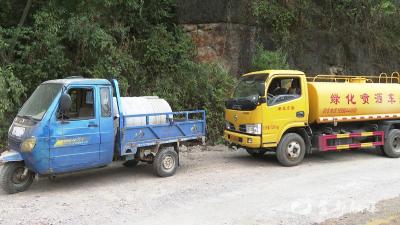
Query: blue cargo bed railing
[[161, 128]]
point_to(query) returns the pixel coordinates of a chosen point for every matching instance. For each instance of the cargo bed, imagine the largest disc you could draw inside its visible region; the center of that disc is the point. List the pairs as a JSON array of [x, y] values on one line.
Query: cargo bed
[[178, 127]]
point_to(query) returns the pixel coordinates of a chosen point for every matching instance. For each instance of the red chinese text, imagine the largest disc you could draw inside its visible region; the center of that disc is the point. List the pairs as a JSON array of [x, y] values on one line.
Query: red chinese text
[[378, 98], [350, 99], [391, 99], [335, 99], [365, 98]]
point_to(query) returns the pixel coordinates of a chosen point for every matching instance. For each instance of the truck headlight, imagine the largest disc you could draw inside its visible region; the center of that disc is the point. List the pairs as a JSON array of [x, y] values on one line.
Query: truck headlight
[[253, 128], [229, 125], [28, 144]]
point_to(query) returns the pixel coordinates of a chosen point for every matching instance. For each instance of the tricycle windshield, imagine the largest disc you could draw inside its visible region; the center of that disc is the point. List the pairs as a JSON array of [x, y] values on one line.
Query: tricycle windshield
[[39, 102]]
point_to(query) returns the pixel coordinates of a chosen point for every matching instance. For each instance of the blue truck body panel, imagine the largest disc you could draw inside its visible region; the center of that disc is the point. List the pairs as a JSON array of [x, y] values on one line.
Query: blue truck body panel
[[173, 130], [70, 145]]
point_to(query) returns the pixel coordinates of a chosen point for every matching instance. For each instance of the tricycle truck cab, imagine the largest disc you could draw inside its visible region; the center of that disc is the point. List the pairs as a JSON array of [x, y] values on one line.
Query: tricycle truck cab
[[71, 124]]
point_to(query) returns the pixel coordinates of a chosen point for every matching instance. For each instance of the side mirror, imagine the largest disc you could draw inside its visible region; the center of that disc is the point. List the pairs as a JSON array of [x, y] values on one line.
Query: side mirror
[[261, 89], [65, 102]]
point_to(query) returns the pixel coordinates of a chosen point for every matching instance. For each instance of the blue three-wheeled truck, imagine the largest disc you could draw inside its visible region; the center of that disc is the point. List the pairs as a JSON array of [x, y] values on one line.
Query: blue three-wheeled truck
[[71, 124]]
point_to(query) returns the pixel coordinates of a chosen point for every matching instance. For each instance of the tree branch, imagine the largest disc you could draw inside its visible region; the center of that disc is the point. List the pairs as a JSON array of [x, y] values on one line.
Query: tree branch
[[25, 13], [20, 24]]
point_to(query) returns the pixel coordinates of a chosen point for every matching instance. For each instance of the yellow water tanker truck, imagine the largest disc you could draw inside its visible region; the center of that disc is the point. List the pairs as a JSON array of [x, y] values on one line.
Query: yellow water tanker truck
[[286, 112]]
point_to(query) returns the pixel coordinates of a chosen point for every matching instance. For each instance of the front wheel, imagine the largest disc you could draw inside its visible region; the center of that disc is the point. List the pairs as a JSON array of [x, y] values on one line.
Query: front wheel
[[14, 177], [165, 162], [291, 150]]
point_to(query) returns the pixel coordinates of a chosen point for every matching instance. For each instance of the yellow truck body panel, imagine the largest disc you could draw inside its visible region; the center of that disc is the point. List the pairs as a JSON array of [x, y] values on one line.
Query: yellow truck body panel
[[328, 101]]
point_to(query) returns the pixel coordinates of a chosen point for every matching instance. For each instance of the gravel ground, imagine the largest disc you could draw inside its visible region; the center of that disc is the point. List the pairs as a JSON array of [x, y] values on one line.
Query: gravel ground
[[387, 212], [218, 186]]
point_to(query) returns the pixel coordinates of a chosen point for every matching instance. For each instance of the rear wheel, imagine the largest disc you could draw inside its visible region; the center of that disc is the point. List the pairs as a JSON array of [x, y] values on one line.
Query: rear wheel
[[165, 162], [14, 178], [392, 144], [256, 152], [291, 150]]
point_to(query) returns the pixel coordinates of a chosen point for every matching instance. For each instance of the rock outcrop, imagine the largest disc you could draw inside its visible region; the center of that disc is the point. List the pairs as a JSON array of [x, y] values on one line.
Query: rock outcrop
[[232, 45], [225, 31]]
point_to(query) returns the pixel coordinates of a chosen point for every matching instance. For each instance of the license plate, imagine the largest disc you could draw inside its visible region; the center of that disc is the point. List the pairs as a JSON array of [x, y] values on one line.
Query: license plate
[[18, 131]]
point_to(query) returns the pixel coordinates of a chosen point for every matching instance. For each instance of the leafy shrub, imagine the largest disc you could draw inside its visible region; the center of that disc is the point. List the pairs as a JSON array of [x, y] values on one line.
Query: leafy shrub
[[11, 92], [200, 86], [274, 15], [137, 42], [264, 59]]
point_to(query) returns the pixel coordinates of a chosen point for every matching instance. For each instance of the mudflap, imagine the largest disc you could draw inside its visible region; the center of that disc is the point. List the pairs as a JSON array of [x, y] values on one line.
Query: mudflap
[[177, 148]]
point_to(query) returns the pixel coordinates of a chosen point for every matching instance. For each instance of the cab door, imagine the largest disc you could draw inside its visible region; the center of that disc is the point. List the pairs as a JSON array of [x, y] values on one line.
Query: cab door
[[107, 130], [75, 137], [286, 106]]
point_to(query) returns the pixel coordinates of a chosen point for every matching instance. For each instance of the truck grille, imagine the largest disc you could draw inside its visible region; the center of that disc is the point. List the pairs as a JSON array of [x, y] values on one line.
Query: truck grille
[[242, 128]]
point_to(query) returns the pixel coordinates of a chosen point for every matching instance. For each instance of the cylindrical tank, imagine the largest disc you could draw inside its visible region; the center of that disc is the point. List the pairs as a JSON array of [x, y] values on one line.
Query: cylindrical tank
[[355, 101], [143, 105]]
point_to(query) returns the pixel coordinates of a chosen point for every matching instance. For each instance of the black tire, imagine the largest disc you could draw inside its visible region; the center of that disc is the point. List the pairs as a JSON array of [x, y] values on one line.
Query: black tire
[[166, 162], [131, 163], [291, 150], [10, 178], [256, 152], [392, 144]]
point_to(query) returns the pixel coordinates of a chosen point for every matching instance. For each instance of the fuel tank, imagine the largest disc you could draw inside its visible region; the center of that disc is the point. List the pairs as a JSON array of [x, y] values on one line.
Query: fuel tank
[[353, 101]]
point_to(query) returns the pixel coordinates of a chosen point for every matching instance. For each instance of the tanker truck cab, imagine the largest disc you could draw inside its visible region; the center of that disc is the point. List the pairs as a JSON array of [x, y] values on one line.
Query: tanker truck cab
[[264, 107], [291, 114], [73, 124]]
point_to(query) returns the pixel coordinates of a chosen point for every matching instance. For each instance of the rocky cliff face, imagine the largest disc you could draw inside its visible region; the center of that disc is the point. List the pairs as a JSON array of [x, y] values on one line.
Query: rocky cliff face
[[221, 31], [224, 31], [232, 45]]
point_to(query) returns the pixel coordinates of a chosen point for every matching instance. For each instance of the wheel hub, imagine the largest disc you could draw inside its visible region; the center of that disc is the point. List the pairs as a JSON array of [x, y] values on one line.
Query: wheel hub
[[168, 162], [396, 144], [294, 149], [18, 176]]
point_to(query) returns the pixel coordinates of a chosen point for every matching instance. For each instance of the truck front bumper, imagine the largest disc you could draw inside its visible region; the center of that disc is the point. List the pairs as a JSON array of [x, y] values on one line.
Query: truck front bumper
[[244, 140]]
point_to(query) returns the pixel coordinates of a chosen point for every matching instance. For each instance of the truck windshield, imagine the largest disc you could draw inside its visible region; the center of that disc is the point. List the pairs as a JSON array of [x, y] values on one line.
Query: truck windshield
[[36, 106], [248, 86], [246, 93]]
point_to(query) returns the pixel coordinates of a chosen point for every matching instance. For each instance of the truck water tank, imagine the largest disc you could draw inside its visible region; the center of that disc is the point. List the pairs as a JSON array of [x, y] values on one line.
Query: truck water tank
[[143, 105], [353, 101]]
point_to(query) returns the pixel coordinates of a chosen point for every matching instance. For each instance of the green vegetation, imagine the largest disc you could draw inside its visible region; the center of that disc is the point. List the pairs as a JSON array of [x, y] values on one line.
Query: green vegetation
[[373, 23], [264, 59], [138, 42]]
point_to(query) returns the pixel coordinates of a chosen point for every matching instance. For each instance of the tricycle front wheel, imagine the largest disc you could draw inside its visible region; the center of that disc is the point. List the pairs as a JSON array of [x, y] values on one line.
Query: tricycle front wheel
[[14, 177]]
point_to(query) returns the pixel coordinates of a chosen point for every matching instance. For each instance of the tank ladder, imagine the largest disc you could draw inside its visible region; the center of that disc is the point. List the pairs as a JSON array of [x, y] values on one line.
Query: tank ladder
[[393, 78]]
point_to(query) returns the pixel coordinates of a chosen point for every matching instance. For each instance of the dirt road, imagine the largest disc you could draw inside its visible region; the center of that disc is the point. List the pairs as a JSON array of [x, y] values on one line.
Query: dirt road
[[216, 187]]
